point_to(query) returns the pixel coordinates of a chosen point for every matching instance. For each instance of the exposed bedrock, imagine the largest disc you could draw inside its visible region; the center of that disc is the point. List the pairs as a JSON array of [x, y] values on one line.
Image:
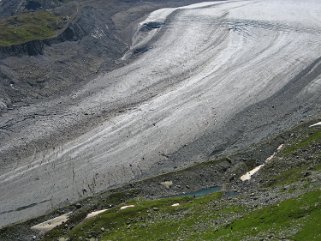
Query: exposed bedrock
[[29, 48]]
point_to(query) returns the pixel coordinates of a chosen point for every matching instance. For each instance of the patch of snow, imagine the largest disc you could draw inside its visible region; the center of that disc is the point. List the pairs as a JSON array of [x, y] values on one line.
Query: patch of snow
[[175, 205], [51, 223], [280, 147], [247, 176], [167, 184], [95, 213], [316, 124], [125, 207]]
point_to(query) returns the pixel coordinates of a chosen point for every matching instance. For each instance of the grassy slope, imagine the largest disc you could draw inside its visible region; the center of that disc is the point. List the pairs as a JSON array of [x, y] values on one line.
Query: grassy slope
[[201, 219], [214, 217], [279, 220], [29, 26]]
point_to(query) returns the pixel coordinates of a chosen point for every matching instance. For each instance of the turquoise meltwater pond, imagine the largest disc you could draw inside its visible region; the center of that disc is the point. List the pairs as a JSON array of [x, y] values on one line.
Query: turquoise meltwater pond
[[207, 191]]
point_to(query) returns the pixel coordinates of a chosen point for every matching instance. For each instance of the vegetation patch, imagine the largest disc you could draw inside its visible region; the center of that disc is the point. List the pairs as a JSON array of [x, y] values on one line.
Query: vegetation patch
[[29, 26], [205, 219], [297, 216], [149, 219], [288, 177]]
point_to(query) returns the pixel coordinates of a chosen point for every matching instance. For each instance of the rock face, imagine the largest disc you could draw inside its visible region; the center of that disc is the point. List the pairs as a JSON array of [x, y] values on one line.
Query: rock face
[[33, 5], [31, 48]]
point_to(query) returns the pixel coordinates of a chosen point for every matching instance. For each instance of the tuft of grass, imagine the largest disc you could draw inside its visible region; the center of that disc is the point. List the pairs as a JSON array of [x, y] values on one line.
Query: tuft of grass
[[29, 26], [304, 143], [287, 177], [311, 229]]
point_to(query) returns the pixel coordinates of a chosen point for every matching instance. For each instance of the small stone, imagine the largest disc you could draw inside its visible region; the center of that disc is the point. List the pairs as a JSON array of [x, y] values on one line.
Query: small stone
[[306, 174], [78, 205], [102, 229], [155, 208]]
